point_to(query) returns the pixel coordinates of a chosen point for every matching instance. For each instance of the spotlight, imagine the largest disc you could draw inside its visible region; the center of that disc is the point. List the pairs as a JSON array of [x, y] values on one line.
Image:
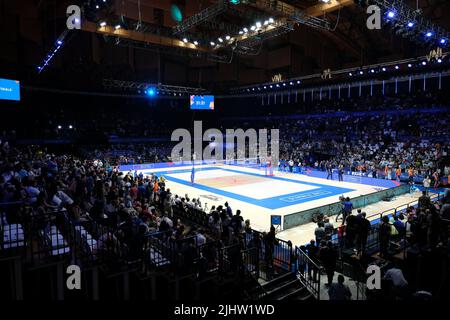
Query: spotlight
[[424, 63], [271, 86], [97, 6], [196, 43], [284, 84], [384, 69], [291, 83], [391, 14], [185, 40], [361, 72], [266, 22], [227, 38], [372, 71], [409, 65], [103, 24], [439, 60], [212, 43], [271, 20], [278, 85], [151, 92], [443, 41], [60, 127], [70, 127], [117, 27], [397, 67], [59, 42], [429, 34], [241, 32], [253, 28], [245, 30], [410, 24], [258, 24], [220, 40], [298, 81], [265, 87]]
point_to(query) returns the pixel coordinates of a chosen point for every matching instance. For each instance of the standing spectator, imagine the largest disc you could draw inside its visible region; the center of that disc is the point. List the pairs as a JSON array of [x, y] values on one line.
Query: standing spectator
[[313, 253], [363, 232], [339, 291], [384, 236], [424, 201], [320, 232], [327, 256]]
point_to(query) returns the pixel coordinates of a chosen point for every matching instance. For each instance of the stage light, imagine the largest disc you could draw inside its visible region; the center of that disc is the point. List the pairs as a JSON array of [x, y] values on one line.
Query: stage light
[[212, 43], [103, 24], [409, 65], [271, 20], [424, 63], [372, 71], [429, 34], [443, 41], [265, 87], [253, 89], [220, 40], [151, 92], [284, 84], [258, 24], [245, 30], [59, 42], [410, 24], [384, 69], [241, 32], [196, 43], [391, 14], [185, 40], [97, 7], [70, 127], [266, 22], [60, 127], [271, 86], [298, 81], [278, 85], [397, 67], [291, 83], [361, 72], [117, 27], [227, 38], [77, 20], [253, 28], [439, 60]]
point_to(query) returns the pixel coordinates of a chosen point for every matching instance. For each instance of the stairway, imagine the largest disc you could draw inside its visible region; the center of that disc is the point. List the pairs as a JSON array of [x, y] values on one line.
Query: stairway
[[286, 287]]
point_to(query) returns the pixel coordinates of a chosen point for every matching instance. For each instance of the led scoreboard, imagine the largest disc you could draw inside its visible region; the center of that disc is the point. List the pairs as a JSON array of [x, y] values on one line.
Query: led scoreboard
[[202, 102], [9, 90]]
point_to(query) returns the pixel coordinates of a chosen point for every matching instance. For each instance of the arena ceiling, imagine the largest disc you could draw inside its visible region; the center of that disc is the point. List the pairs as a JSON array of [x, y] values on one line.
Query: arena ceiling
[[304, 37]]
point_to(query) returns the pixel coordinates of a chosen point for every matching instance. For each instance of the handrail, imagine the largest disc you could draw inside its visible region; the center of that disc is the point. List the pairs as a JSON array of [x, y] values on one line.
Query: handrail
[[381, 214], [306, 263]]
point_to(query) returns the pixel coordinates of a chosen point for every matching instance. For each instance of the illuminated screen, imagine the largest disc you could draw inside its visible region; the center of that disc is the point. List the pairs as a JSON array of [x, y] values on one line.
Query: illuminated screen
[[202, 102], [9, 90]]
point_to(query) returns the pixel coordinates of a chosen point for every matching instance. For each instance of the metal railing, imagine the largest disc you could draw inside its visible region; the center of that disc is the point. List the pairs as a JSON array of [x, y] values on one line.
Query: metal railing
[[308, 272]]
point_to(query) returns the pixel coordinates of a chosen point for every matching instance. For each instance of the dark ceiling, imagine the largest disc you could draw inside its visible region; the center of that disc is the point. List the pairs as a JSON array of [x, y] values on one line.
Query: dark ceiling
[[28, 29]]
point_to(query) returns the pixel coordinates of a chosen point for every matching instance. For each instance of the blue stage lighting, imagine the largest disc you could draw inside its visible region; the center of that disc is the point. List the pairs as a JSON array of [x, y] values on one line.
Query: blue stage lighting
[[410, 24], [443, 41], [151, 92], [429, 34], [391, 14]]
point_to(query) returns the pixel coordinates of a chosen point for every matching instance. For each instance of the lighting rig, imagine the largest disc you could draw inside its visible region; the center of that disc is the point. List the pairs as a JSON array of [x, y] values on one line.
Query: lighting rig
[[151, 89], [410, 24], [384, 70]]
